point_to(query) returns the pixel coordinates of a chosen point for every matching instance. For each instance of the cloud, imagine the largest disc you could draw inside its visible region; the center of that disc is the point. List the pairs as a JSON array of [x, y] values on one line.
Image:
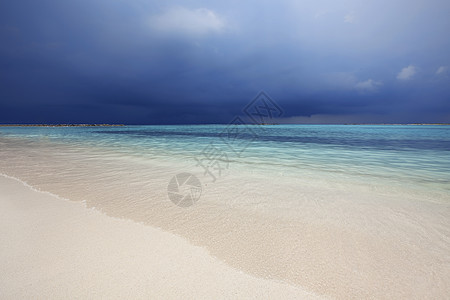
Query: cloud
[[346, 81], [210, 59], [369, 85], [188, 21], [407, 73], [350, 17], [442, 70]]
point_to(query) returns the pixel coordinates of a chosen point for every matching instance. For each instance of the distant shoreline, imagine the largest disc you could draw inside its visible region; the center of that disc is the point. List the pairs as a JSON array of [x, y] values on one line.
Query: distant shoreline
[[116, 125], [60, 125], [399, 124]]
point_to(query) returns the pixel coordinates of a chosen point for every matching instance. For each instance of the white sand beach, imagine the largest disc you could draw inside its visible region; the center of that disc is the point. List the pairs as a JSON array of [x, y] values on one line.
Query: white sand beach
[[51, 248]]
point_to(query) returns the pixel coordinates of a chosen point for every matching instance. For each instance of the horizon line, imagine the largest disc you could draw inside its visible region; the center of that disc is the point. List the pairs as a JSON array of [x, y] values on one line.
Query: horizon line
[[190, 124]]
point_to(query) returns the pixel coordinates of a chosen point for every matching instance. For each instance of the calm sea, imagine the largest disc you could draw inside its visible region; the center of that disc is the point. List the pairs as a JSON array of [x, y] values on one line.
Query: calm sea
[[404, 155]]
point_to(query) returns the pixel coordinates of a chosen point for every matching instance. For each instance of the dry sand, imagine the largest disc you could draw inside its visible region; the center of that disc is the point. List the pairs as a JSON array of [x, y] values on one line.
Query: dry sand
[[51, 248]]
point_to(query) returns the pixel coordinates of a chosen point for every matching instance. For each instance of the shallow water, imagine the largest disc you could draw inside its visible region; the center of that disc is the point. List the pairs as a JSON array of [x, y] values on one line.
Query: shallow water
[[346, 211]]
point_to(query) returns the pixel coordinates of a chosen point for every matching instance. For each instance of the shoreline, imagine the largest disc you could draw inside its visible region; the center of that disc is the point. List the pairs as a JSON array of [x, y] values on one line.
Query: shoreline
[[53, 248], [331, 239], [61, 125], [263, 124]]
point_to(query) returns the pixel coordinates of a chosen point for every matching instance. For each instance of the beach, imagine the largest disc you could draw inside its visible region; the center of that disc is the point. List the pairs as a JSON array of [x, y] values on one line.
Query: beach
[[329, 215], [225, 150], [51, 248]]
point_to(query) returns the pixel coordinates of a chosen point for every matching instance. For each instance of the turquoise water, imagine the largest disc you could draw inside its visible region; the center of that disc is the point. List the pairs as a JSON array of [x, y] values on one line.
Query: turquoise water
[[412, 155]]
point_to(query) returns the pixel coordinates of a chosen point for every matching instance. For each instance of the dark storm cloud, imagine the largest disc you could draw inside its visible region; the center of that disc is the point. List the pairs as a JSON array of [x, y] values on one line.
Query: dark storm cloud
[[142, 62]]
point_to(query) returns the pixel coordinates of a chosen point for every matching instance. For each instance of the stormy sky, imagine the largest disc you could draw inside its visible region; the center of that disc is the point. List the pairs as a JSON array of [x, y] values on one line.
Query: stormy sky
[[191, 62]]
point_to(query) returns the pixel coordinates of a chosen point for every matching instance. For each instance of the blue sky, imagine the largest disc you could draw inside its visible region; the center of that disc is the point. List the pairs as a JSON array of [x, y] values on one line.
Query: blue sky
[[178, 62]]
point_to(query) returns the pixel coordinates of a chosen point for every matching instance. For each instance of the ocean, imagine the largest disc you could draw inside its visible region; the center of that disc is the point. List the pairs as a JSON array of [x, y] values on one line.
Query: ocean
[[277, 201], [400, 155]]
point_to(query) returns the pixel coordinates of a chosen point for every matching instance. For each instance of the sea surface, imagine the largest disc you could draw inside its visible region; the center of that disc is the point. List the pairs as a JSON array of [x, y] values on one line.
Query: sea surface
[[410, 155], [344, 210]]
